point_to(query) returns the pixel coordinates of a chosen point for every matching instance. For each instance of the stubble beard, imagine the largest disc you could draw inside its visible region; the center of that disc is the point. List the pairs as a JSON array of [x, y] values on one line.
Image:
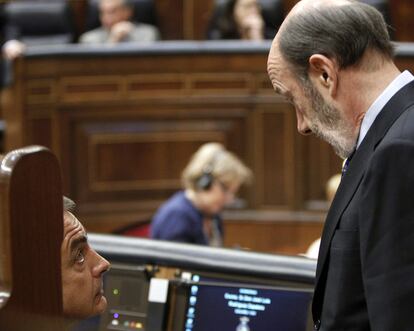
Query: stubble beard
[[329, 124]]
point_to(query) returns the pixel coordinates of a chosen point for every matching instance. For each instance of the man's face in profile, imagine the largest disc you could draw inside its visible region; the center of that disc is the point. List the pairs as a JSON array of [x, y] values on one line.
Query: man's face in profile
[[82, 270], [112, 12], [313, 113]]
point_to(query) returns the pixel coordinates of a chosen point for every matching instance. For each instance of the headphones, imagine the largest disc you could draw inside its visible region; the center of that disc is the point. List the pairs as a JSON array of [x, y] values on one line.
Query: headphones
[[206, 179]]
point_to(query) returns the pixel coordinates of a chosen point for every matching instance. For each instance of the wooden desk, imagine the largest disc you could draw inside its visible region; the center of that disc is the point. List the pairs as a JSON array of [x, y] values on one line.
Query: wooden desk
[[280, 232]]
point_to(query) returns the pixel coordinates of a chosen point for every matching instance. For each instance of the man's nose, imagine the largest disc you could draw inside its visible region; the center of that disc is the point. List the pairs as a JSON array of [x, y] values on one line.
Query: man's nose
[[303, 127], [102, 265]]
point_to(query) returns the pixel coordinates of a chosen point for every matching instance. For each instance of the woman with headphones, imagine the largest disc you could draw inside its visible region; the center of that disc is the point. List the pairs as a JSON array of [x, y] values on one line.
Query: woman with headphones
[[211, 180]]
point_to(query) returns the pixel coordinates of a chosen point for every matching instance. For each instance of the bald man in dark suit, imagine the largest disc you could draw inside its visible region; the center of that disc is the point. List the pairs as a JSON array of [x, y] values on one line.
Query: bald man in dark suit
[[333, 60]]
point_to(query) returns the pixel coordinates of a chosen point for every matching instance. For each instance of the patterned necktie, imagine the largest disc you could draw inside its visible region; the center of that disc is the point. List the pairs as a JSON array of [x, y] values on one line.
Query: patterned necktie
[[347, 162]]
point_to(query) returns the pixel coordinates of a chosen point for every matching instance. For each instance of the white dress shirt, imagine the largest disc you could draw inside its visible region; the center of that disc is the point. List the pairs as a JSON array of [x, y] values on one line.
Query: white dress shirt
[[397, 84]]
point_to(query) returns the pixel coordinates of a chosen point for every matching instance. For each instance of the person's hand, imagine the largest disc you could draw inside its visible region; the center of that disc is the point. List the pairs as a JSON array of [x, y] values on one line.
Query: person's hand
[[120, 31], [12, 49], [252, 27]]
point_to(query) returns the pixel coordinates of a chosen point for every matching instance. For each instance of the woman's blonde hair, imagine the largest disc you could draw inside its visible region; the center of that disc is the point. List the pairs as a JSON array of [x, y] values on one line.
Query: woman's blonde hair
[[215, 160]]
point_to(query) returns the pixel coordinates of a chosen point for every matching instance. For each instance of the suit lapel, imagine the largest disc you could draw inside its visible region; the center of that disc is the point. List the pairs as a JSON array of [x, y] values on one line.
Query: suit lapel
[[350, 182]]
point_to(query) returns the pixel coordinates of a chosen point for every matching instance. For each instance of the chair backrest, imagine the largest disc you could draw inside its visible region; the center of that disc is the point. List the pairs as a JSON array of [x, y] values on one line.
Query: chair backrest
[[31, 234], [272, 12], [143, 12], [40, 22]]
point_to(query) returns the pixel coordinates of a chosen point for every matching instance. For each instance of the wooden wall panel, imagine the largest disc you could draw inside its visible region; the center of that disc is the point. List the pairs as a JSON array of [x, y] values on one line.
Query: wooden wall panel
[[274, 154], [326, 163], [123, 134], [402, 19], [39, 132], [274, 232], [41, 91], [135, 156]]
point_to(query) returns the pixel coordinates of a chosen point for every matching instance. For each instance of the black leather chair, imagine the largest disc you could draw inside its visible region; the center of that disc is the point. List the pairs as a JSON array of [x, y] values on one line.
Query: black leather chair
[[143, 12], [272, 12], [38, 22]]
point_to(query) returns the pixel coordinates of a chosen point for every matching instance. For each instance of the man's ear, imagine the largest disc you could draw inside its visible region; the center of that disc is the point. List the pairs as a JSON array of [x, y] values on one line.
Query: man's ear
[[323, 73]]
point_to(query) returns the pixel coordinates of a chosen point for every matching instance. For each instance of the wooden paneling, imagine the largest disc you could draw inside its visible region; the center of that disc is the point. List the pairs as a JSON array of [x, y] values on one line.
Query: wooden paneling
[[318, 153], [274, 137], [274, 232], [143, 157], [124, 126], [39, 130], [402, 12]]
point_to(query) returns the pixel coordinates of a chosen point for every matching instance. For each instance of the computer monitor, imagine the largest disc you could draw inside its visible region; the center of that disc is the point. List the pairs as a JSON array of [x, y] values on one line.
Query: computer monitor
[[246, 307], [126, 289]]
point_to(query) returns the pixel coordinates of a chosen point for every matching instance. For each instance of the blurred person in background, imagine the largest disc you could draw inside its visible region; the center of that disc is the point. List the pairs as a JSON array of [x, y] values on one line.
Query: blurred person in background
[[12, 49], [35, 23], [242, 19], [116, 25], [211, 180]]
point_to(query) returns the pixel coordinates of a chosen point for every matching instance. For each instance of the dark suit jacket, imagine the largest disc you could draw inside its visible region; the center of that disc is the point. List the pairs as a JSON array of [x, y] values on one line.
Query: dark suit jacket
[[365, 272]]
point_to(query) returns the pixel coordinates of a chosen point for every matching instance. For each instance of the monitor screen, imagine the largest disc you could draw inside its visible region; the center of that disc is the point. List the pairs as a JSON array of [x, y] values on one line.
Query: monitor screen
[[231, 307], [126, 289]]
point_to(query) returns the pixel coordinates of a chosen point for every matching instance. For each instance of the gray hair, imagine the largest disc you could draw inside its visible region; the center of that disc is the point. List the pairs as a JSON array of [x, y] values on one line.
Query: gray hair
[[342, 33], [68, 205]]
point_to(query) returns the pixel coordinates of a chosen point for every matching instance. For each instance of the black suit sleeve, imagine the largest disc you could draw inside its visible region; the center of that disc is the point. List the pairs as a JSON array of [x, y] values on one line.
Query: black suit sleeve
[[387, 237]]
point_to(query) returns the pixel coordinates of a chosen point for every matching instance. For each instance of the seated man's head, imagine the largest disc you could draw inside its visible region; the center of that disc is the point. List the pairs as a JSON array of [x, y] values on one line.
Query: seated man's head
[[82, 270], [112, 12]]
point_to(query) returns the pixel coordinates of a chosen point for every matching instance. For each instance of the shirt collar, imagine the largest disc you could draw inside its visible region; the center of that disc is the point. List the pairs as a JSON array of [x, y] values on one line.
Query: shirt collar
[[398, 83]]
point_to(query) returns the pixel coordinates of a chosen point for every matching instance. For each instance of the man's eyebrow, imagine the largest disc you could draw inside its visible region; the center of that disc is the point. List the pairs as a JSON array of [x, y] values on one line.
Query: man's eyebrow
[[78, 241]]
